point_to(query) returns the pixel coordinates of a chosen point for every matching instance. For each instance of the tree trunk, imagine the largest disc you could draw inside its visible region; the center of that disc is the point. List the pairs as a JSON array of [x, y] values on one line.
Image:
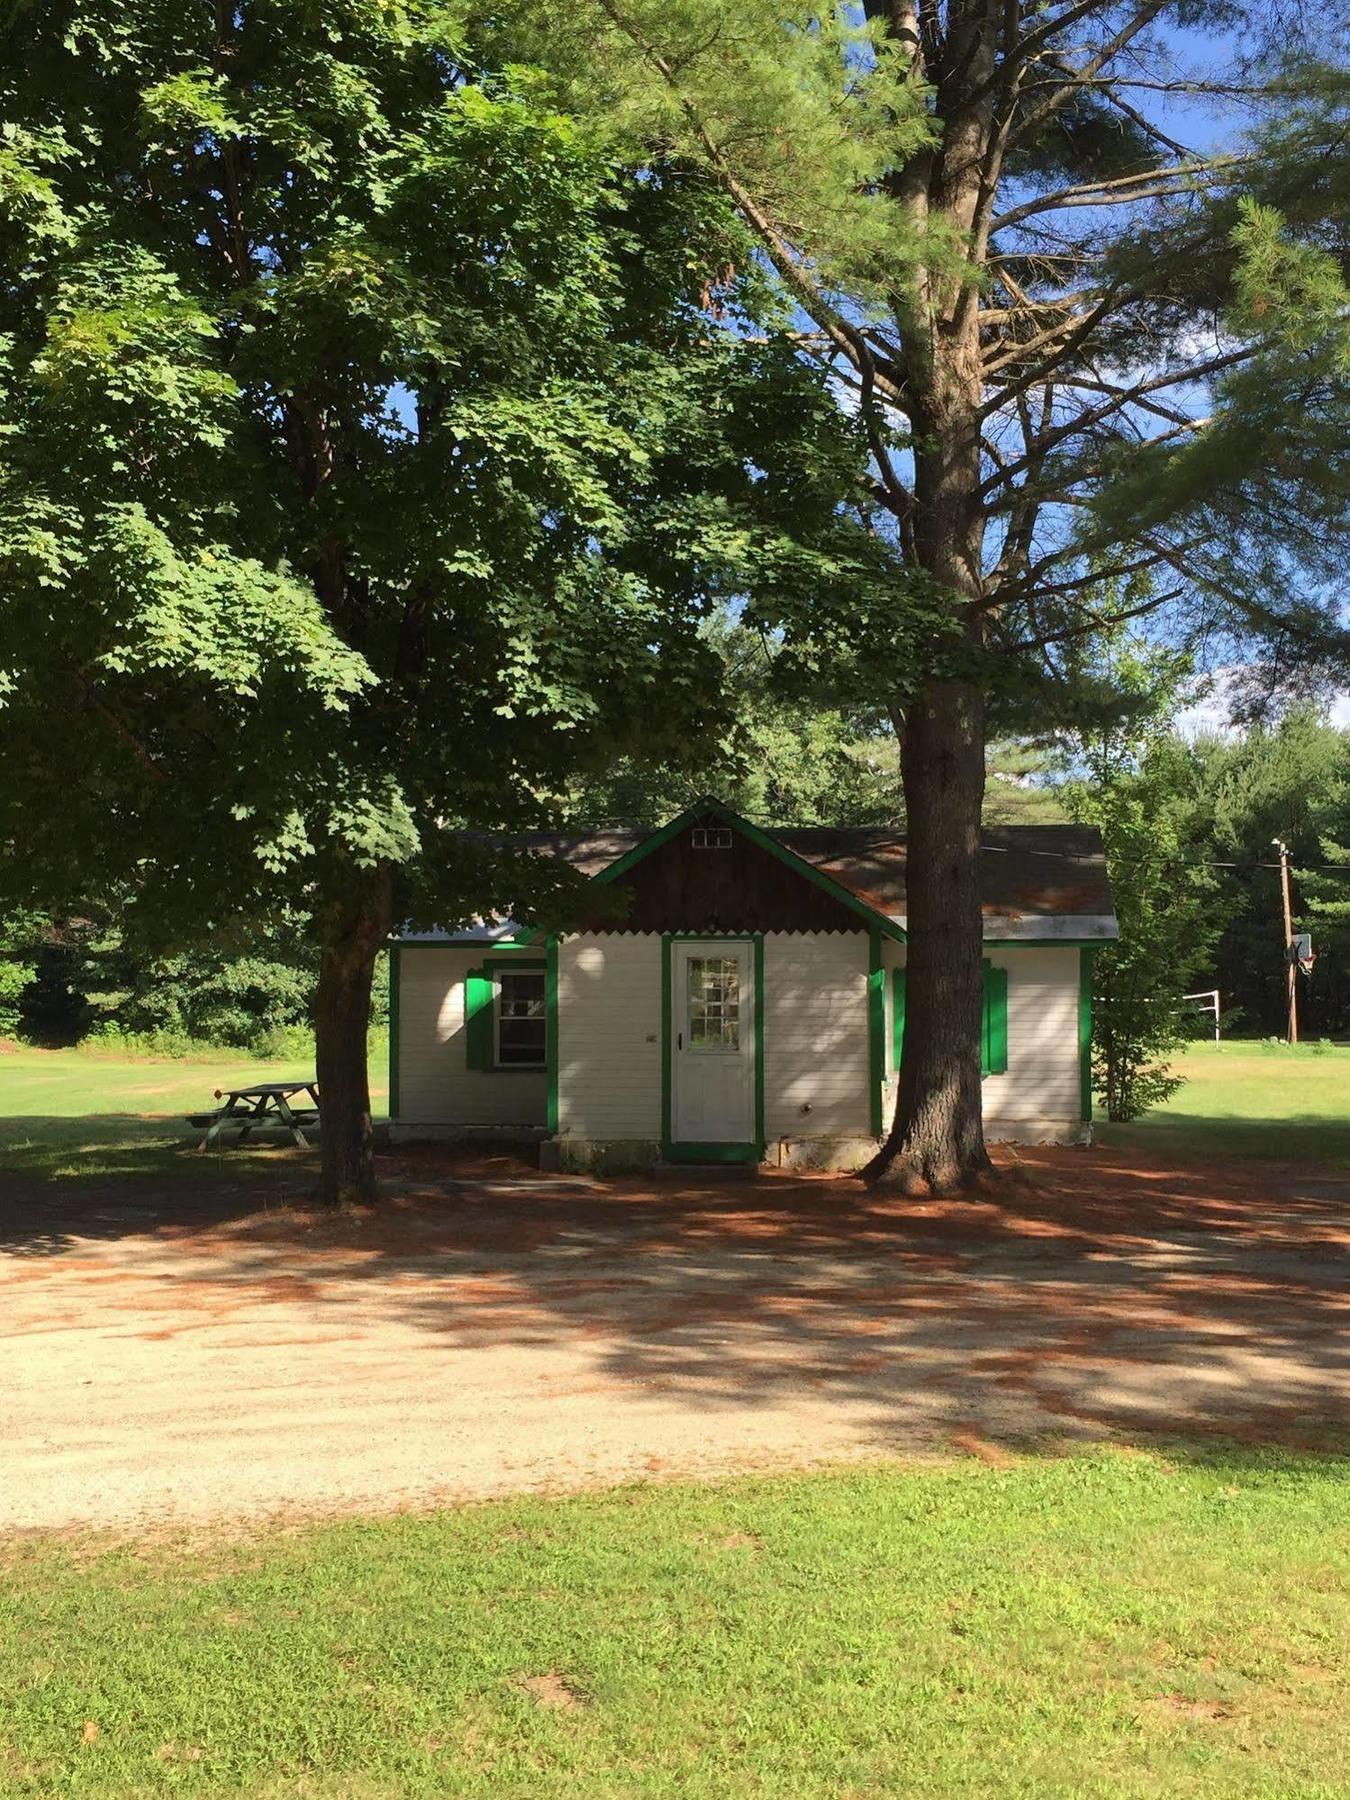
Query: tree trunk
[[936, 1140], [353, 932]]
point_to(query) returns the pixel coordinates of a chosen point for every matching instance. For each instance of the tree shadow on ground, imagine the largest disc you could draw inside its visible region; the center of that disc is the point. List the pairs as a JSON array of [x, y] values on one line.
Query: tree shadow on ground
[[1106, 1293], [106, 1174]]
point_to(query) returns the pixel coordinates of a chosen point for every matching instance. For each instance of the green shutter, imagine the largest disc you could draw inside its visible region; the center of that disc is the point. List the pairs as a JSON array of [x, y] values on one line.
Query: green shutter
[[994, 1023], [478, 1019], [897, 1016]]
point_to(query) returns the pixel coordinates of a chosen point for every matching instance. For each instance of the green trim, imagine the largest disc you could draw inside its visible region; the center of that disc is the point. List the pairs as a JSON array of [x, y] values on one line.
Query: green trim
[[551, 1032], [714, 1153], [478, 993], [994, 1021], [702, 809], [897, 1017], [759, 1040], [1085, 1034], [641, 851], [876, 1030], [395, 980], [672, 1151]]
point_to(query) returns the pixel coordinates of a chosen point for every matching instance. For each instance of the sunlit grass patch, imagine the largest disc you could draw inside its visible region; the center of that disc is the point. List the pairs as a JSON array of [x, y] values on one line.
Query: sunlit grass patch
[[1119, 1623]]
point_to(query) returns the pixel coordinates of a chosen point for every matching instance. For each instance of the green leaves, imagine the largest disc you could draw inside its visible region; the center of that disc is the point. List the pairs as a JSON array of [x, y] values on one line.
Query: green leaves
[[807, 109], [375, 439], [1296, 288]]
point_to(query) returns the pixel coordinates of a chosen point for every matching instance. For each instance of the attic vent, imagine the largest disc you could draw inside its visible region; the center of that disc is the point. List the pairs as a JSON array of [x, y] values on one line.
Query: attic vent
[[711, 837]]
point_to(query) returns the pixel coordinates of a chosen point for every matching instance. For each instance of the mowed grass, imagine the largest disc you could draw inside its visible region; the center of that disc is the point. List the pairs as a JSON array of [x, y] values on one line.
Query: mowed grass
[[1107, 1624], [85, 1114], [1251, 1099], [82, 1114]]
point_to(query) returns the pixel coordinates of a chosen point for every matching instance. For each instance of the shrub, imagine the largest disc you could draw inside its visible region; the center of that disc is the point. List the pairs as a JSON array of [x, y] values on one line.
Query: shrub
[[14, 978]]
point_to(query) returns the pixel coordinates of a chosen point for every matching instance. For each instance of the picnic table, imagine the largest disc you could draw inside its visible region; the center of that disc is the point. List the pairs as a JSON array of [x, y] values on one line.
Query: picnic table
[[265, 1106]]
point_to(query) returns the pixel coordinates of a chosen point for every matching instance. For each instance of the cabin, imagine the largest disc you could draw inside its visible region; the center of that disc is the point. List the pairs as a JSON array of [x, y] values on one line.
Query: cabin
[[739, 996]]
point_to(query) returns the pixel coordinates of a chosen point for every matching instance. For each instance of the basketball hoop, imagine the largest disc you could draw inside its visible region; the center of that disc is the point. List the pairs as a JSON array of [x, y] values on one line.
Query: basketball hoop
[[1302, 952]]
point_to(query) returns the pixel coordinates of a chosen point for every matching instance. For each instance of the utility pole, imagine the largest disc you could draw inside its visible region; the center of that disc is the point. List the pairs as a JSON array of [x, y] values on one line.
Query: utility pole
[[1290, 971]]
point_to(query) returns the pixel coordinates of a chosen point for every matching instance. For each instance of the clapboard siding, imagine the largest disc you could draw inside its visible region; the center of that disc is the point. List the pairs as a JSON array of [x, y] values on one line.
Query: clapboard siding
[[1041, 1085], [815, 1035], [815, 1039], [1042, 1082], [609, 1036], [436, 1085]]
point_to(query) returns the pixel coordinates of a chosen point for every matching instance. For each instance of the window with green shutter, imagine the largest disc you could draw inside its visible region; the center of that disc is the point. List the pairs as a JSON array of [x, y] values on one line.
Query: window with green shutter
[[993, 1020], [505, 1008]]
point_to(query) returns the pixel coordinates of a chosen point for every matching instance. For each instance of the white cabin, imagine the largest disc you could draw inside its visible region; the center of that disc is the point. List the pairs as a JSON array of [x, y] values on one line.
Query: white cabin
[[742, 999]]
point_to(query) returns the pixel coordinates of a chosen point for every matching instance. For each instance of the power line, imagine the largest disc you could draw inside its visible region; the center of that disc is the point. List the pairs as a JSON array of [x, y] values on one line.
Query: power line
[[1148, 861]]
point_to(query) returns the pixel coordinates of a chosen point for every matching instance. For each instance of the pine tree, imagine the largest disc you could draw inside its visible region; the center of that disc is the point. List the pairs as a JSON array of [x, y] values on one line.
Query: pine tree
[[1101, 369]]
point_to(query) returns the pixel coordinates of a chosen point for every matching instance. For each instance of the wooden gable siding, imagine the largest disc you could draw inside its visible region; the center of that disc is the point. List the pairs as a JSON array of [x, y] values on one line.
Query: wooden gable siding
[[738, 889]]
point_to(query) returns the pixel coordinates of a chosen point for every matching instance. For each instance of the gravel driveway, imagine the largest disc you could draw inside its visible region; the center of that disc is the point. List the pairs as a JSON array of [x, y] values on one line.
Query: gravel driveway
[[487, 1331]]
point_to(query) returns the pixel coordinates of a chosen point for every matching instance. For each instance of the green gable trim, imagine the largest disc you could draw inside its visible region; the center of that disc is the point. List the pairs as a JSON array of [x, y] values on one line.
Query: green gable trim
[[395, 978], [712, 809], [1085, 1033], [673, 1150], [876, 1030]]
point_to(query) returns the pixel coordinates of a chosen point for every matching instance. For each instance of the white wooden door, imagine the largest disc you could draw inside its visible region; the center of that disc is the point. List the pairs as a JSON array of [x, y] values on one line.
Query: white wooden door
[[713, 1053]]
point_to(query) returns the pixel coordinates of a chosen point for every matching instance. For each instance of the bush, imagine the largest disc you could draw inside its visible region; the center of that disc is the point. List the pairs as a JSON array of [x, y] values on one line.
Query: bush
[[170, 1042], [14, 978]]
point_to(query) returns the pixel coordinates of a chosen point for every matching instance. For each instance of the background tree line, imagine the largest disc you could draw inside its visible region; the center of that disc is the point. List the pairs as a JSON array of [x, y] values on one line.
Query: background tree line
[[1188, 819]]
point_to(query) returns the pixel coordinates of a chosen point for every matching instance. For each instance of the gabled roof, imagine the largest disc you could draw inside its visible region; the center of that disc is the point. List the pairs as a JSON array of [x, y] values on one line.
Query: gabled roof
[[773, 842], [1040, 882]]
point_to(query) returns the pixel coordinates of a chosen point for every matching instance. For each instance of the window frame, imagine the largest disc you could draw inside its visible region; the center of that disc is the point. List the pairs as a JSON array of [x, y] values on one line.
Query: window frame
[[722, 1047], [538, 971]]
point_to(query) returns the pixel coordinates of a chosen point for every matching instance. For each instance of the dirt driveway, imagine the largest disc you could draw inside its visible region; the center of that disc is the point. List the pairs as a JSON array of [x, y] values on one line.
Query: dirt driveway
[[487, 1330]]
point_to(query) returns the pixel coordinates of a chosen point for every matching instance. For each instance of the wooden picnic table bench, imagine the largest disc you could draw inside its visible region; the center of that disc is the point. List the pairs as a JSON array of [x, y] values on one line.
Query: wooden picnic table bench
[[266, 1106]]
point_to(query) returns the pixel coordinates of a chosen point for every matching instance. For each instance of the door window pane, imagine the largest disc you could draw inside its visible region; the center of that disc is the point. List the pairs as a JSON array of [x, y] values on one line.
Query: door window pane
[[521, 1025], [714, 1009]]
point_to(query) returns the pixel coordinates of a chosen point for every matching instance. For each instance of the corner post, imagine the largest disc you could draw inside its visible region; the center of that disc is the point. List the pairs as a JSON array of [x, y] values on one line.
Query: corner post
[[876, 1029], [1085, 1033], [551, 1030], [395, 978]]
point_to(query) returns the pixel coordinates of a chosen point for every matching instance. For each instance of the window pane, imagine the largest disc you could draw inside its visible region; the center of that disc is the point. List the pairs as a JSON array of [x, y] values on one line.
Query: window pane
[[521, 1025], [714, 1003]]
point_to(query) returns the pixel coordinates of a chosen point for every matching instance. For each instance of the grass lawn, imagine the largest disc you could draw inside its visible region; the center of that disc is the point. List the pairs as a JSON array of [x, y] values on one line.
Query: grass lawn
[[1105, 1624], [86, 1114], [1251, 1099]]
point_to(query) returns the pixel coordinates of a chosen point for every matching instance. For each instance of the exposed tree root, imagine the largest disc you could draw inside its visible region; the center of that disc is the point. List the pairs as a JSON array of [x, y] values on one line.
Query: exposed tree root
[[917, 1177]]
